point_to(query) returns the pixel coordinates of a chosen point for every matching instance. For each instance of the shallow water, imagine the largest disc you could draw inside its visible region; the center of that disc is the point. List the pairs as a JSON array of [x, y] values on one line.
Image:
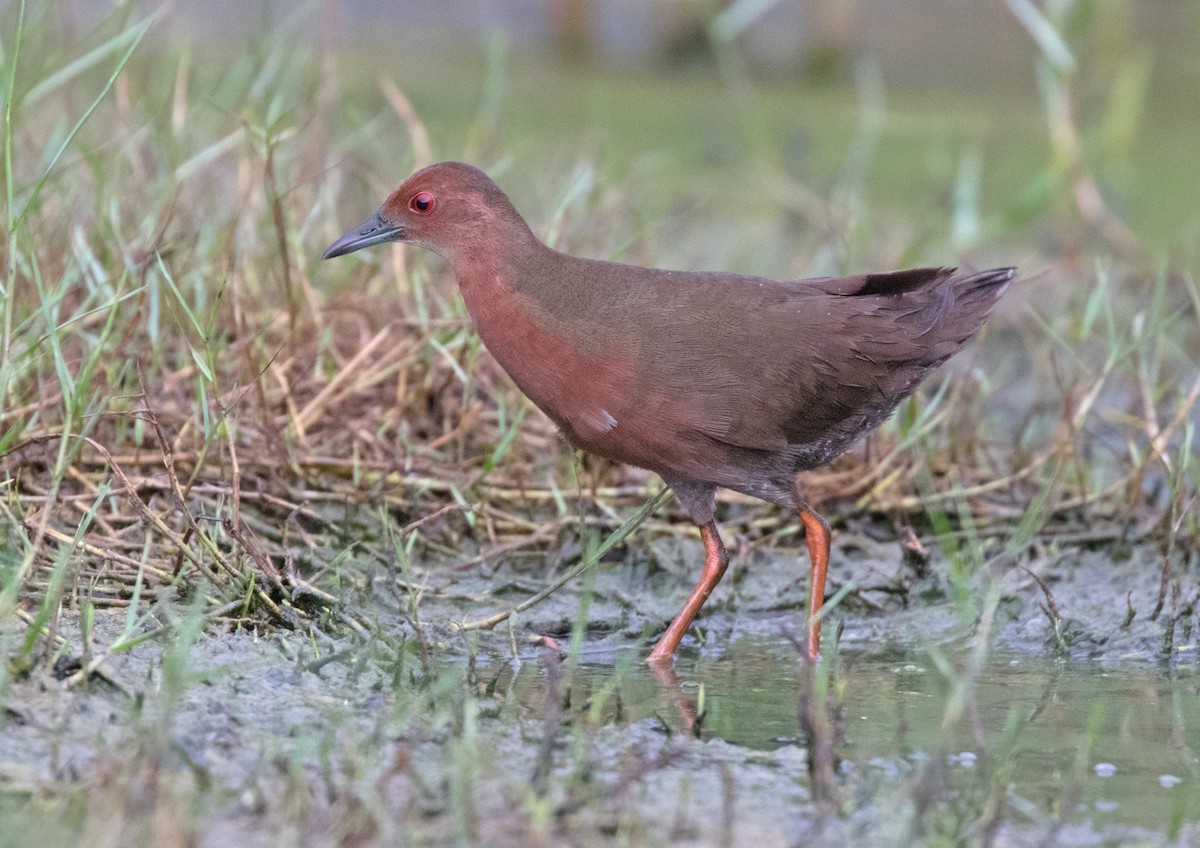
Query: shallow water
[[1118, 744]]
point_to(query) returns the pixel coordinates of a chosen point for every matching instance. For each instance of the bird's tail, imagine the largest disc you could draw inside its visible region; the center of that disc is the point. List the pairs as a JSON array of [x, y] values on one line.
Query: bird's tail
[[968, 301], [977, 293]]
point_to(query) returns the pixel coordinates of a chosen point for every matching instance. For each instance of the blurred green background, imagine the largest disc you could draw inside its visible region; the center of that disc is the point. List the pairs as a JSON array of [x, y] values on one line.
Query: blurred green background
[[719, 118]]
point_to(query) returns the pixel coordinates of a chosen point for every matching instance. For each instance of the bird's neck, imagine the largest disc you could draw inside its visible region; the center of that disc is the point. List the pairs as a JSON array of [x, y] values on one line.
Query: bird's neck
[[490, 275], [528, 342]]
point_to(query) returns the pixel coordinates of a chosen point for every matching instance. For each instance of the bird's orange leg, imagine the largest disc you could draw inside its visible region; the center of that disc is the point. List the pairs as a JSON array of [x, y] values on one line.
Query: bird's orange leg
[[715, 562], [817, 534]]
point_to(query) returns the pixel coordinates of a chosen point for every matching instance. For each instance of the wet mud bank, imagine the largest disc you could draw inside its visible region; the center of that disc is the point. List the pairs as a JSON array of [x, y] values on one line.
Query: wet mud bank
[[1076, 723]]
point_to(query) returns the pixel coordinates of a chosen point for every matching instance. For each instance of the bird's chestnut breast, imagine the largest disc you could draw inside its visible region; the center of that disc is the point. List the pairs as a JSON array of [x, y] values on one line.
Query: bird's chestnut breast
[[584, 388]]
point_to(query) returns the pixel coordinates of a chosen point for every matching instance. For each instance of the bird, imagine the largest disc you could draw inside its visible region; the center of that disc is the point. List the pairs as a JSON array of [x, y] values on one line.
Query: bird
[[708, 379]]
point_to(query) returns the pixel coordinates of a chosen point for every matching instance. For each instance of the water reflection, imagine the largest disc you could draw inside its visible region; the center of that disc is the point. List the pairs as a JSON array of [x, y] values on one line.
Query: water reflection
[[1066, 740]]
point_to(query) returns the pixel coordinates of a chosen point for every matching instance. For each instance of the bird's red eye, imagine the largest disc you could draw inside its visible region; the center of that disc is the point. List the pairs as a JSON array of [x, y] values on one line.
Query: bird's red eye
[[421, 202]]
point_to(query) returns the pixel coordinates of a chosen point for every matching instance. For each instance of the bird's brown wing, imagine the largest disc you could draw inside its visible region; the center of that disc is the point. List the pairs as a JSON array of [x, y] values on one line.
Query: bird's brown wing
[[799, 370]]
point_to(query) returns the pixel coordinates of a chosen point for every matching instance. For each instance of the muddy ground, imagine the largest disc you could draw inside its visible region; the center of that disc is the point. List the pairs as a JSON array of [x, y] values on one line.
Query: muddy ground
[[1081, 727]]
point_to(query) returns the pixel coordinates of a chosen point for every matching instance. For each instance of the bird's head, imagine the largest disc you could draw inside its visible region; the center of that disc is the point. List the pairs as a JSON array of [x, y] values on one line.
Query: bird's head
[[450, 208]]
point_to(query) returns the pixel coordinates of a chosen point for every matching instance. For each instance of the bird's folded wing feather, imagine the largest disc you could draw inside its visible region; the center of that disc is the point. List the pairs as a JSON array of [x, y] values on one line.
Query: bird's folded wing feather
[[766, 365]]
